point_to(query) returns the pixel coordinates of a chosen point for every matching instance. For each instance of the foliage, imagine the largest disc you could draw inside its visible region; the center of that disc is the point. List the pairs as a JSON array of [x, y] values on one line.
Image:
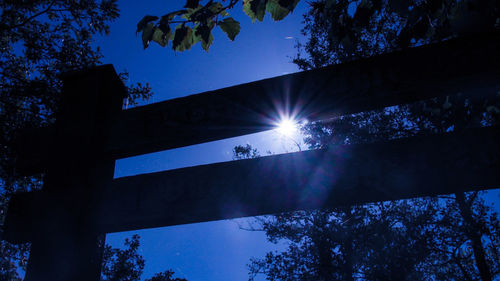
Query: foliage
[[127, 264], [467, 243], [446, 238], [244, 152], [345, 244], [196, 21], [40, 40], [123, 265], [165, 276], [337, 30], [341, 30]]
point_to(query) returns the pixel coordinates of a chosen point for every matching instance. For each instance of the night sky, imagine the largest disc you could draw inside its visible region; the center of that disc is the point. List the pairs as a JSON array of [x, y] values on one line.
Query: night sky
[[214, 250]]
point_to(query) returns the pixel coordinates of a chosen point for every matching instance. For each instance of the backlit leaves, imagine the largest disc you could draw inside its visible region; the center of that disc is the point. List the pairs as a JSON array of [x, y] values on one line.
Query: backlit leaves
[[183, 38], [144, 22], [147, 35], [277, 12], [203, 33], [255, 9], [196, 22], [288, 4], [230, 27], [161, 38], [278, 9]]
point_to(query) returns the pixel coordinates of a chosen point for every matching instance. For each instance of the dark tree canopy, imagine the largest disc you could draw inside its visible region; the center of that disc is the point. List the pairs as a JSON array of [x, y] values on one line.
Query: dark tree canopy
[[450, 237], [165, 276], [123, 264], [39, 41], [341, 30], [128, 265], [446, 238]]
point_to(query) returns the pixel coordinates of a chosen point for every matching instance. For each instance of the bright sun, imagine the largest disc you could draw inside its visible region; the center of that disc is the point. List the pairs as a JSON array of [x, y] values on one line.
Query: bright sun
[[287, 127]]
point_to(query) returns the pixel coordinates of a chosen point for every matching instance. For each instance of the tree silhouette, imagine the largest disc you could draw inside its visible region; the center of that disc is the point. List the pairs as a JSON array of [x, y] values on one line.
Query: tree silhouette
[[41, 40], [128, 265], [165, 276], [451, 237], [123, 264], [339, 31]]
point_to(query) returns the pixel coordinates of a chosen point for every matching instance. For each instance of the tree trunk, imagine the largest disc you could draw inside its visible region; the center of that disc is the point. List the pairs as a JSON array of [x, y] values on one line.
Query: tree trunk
[[473, 233], [349, 267]]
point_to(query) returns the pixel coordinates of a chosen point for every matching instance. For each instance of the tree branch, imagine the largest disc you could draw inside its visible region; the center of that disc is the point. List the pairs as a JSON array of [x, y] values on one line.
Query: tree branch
[[33, 16]]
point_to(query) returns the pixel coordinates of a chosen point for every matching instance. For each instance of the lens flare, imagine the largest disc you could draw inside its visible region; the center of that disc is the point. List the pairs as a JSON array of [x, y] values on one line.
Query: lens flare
[[287, 127]]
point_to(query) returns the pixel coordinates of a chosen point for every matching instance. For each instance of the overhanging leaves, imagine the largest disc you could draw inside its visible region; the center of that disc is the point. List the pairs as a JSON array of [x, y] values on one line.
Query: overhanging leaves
[[204, 44], [255, 9], [164, 24], [231, 27], [215, 7], [288, 4], [160, 37], [145, 20], [203, 32], [192, 4], [276, 10], [183, 38], [196, 21], [147, 35]]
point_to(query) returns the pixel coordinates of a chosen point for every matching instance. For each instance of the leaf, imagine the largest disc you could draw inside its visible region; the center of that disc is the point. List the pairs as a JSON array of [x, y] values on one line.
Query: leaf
[[164, 25], [170, 16], [192, 4], [160, 37], [194, 14], [203, 32], [230, 27], [288, 4], [143, 23], [276, 10], [147, 35], [255, 9], [215, 7], [205, 44], [183, 38]]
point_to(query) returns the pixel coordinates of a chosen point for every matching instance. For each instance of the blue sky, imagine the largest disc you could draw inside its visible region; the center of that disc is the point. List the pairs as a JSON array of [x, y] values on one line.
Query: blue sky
[[260, 51], [214, 250]]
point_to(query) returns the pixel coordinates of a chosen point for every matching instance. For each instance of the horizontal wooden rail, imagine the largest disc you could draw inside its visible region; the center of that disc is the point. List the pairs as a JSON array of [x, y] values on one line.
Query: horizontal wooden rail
[[468, 65], [340, 175]]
